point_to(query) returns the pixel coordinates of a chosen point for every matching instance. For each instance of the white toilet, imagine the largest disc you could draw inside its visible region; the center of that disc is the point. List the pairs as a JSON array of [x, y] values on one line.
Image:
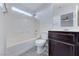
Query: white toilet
[[40, 43]]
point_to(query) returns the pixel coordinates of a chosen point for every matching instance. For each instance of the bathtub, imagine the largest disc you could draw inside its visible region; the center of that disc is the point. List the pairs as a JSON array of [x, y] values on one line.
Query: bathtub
[[21, 47]]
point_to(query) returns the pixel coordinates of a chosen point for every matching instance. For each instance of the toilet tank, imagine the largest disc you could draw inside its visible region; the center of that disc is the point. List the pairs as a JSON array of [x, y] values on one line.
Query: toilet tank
[[44, 35]]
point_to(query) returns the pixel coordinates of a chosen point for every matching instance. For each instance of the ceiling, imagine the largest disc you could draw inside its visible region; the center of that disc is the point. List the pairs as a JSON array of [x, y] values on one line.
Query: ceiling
[[34, 6], [29, 7]]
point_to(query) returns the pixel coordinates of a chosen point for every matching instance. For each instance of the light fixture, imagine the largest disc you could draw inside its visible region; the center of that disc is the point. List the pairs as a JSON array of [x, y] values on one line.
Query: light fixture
[[21, 11]]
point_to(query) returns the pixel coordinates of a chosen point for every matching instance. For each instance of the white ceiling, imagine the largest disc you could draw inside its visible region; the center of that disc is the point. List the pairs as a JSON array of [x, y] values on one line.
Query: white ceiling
[[33, 6], [29, 7]]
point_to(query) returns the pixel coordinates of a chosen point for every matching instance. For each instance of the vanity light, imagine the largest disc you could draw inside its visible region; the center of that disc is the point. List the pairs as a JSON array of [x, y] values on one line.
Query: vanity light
[[21, 11]]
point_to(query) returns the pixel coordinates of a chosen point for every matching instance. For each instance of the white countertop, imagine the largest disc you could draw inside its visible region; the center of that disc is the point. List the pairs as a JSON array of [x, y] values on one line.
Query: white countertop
[[66, 30]]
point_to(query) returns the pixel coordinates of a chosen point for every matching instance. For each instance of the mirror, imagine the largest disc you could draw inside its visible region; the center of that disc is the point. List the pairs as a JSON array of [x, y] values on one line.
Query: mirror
[[67, 20]]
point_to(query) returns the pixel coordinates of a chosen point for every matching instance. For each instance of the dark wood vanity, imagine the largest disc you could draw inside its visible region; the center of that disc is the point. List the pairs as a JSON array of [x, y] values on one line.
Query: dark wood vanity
[[63, 43]]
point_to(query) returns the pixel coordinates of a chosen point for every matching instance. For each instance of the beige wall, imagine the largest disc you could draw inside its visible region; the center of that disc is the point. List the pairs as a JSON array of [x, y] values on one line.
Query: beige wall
[[2, 36], [20, 28]]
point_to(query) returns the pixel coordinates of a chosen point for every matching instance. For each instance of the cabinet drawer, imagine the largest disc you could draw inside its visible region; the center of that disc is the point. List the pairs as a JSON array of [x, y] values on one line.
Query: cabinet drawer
[[66, 37]]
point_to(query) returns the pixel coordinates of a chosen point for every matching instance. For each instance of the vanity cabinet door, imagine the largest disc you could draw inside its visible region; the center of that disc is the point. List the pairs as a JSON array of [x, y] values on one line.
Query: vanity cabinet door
[[77, 50], [60, 49]]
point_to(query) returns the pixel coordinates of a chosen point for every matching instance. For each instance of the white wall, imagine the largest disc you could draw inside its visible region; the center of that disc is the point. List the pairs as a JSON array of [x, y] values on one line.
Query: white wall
[[50, 17], [60, 9], [44, 18]]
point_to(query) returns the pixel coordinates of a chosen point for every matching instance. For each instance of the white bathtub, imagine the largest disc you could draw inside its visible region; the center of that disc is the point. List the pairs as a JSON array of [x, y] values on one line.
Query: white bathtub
[[20, 47]]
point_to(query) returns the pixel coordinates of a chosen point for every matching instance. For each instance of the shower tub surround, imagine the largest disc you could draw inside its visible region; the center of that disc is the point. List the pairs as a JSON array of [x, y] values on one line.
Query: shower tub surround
[[20, 47]]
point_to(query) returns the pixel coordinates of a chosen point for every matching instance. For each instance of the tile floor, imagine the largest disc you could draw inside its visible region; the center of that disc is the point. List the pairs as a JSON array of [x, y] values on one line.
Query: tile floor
[[32, 52]]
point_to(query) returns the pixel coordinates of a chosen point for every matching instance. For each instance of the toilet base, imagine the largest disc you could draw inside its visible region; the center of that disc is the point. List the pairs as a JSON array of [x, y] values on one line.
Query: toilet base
[[40, 50]]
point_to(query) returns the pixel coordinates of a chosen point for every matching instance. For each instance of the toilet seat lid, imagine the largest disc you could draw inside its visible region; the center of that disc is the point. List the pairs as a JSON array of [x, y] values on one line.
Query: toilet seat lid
[[40, 41]]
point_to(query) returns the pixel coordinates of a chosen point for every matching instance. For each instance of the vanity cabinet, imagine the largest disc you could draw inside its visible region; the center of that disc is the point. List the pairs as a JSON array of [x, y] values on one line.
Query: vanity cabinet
[[63, 43], [60, 49]]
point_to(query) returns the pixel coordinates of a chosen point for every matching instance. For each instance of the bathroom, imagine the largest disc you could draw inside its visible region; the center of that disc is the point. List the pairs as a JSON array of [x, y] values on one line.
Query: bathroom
[[25, 26], [22, 30]]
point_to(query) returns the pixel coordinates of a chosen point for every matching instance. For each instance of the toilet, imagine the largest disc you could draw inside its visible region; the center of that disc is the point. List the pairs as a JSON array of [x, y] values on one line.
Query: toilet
[[40, 43]]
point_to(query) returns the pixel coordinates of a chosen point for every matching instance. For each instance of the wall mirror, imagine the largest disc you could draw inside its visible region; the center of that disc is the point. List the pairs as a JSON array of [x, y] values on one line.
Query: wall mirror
[[67, 20]]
